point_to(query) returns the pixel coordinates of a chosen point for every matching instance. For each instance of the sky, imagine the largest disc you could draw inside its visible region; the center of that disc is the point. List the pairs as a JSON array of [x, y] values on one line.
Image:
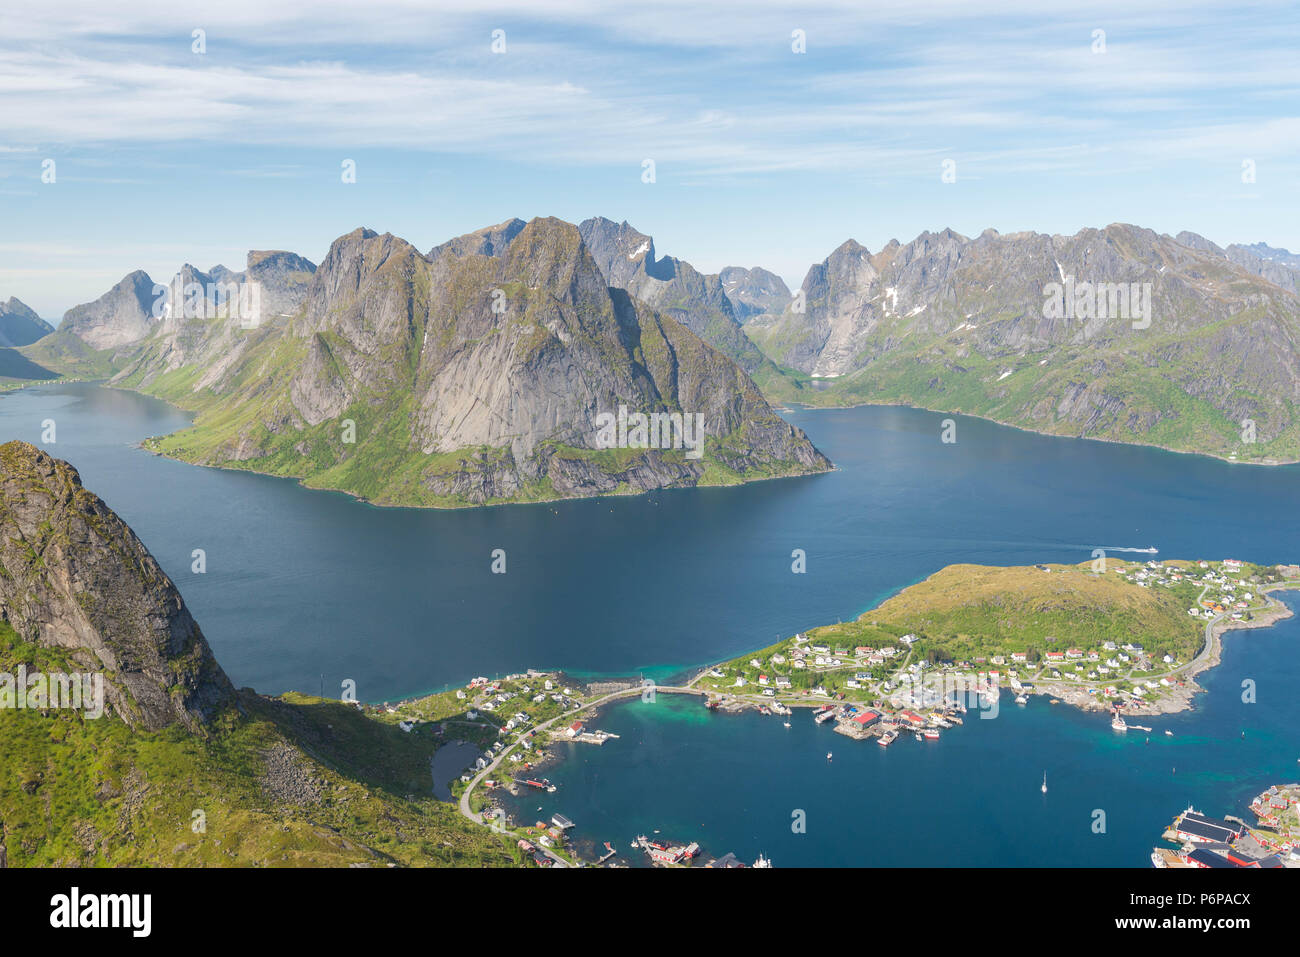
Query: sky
[[898, 116]]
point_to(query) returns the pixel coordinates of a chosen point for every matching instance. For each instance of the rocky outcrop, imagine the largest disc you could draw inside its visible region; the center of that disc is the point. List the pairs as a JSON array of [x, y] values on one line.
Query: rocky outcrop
[[489, 241], [672, 287], [125, 314], [754, 292], [75, 577], [20, 325]]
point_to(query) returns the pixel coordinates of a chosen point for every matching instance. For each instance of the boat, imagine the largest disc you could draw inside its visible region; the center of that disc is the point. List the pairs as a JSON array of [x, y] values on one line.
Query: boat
[[787, 724], [918, 736], [1044, 782], [828, 755], [1117, 723], [762, 861], [932, 734], [1168, 733], [1021, 699]]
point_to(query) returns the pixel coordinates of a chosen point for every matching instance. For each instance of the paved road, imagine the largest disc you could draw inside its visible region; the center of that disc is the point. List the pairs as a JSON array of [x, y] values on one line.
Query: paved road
[[469, 813]]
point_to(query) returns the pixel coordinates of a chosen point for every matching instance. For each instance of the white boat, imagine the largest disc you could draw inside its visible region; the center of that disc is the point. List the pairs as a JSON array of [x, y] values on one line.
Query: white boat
[[1021, 699], [787, 724], [1117, 723], [1044, 782], [763, 861], [1169, 733], [828, 755]]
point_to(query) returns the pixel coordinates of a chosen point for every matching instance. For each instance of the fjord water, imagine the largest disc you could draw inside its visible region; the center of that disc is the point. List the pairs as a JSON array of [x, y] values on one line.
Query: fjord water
[[304, 589], [301, 584]]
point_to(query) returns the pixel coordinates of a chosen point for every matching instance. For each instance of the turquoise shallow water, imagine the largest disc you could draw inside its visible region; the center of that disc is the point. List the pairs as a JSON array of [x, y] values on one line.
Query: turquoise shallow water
[[972, 798]]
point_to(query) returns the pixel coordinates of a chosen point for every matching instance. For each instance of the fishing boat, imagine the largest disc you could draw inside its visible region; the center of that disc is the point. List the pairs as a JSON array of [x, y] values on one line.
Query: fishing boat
[[1022, 699], [1044, 782], [918, 736], [932, 734], [1117, 723]]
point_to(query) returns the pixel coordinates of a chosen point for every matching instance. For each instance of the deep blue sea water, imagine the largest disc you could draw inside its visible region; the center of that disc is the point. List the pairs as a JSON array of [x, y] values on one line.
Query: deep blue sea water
[[304, 589]]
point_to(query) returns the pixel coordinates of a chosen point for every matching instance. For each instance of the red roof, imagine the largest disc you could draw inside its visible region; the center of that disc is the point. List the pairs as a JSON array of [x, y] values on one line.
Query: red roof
[[866, 717], [576, 726]]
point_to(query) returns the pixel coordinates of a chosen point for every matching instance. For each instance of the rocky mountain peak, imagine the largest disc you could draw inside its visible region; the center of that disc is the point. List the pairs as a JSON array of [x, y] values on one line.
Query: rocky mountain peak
[[123, 315], [20, 325], [75, 577]]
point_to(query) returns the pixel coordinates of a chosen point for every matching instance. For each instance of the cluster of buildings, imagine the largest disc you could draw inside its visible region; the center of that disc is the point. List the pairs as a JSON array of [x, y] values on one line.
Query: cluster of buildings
[[1210, 842]]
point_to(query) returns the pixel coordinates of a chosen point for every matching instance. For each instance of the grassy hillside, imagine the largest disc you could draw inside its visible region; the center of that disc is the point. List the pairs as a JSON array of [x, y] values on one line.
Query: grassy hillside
[[1113, 393], [965, 613], [289, 781]]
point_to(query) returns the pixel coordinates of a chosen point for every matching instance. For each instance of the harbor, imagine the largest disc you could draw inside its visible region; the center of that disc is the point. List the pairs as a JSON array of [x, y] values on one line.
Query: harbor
[[1272, 842]]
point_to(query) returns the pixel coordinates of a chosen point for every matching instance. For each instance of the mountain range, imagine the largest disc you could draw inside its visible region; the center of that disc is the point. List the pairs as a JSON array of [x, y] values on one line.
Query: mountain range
[[944, 322], [475, 373], [1204, 356]]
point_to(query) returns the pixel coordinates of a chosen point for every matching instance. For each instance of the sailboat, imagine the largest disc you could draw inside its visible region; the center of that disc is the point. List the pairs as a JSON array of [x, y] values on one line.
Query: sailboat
[[1044, 782]]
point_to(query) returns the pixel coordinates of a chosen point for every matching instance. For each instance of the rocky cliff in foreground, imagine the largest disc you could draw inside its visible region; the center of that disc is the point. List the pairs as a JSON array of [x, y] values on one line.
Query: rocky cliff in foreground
[[179, 769], [75, 577]]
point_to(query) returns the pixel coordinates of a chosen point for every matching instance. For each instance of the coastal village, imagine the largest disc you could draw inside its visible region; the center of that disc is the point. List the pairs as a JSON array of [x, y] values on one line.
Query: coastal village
[[1228, 842], [900, 684]]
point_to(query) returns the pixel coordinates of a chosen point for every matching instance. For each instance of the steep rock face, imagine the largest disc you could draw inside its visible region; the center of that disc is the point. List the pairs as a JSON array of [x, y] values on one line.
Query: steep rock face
[[673, 287], [1278, 266], [74, 576], [754, 292], [477, 374], [210, 318], [946, 316], [490, 241], [20, 325], [123, 315], [282, 277]]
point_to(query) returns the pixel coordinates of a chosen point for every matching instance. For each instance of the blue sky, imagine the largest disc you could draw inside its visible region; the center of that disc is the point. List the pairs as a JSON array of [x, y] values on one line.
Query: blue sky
[[763, 156]]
